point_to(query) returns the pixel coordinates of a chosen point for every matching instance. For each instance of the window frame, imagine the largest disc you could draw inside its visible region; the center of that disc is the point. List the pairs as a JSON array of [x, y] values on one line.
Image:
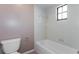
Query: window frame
[[62, 12]]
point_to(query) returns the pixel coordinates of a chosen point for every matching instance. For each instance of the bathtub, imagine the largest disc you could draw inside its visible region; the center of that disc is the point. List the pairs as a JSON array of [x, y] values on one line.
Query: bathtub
[[51, 47]]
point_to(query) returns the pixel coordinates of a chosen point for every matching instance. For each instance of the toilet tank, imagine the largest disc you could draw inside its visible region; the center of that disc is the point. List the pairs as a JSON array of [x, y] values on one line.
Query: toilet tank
[[11, 45]]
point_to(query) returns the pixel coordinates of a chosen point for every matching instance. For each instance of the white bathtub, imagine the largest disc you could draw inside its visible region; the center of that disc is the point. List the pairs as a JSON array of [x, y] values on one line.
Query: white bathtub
[[51, 47]]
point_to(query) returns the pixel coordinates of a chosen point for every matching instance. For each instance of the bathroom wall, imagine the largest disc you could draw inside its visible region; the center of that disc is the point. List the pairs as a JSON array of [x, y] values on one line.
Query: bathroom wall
[[17, 21], [65, 31], [39, 22]]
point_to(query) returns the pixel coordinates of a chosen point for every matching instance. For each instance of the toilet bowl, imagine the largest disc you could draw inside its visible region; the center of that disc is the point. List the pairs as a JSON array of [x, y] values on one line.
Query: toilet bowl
[[11, 46]]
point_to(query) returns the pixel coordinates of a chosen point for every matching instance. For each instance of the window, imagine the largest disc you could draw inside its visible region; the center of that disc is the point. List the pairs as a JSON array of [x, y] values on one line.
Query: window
[[62, 12]]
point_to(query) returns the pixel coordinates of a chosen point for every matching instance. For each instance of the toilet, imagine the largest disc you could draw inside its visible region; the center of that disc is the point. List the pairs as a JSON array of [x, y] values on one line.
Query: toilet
[[11, 46]]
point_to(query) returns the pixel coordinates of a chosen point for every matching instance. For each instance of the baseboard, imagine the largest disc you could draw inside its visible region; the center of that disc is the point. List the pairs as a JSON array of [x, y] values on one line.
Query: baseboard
[[27, 52]]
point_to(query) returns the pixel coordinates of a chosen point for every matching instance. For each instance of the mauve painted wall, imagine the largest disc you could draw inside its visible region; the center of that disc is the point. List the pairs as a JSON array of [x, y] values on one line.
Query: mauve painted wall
[[24, 16]]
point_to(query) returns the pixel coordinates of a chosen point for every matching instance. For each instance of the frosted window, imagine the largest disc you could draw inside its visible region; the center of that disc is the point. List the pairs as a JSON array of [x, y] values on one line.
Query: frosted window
[[59, 16], [64, 15], [65, 8], [59, 10], [62, 12]]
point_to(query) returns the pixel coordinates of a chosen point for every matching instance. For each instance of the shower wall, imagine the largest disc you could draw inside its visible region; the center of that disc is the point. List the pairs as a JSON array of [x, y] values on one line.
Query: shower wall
[[17, 21], [39, 22], [64, 31]]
